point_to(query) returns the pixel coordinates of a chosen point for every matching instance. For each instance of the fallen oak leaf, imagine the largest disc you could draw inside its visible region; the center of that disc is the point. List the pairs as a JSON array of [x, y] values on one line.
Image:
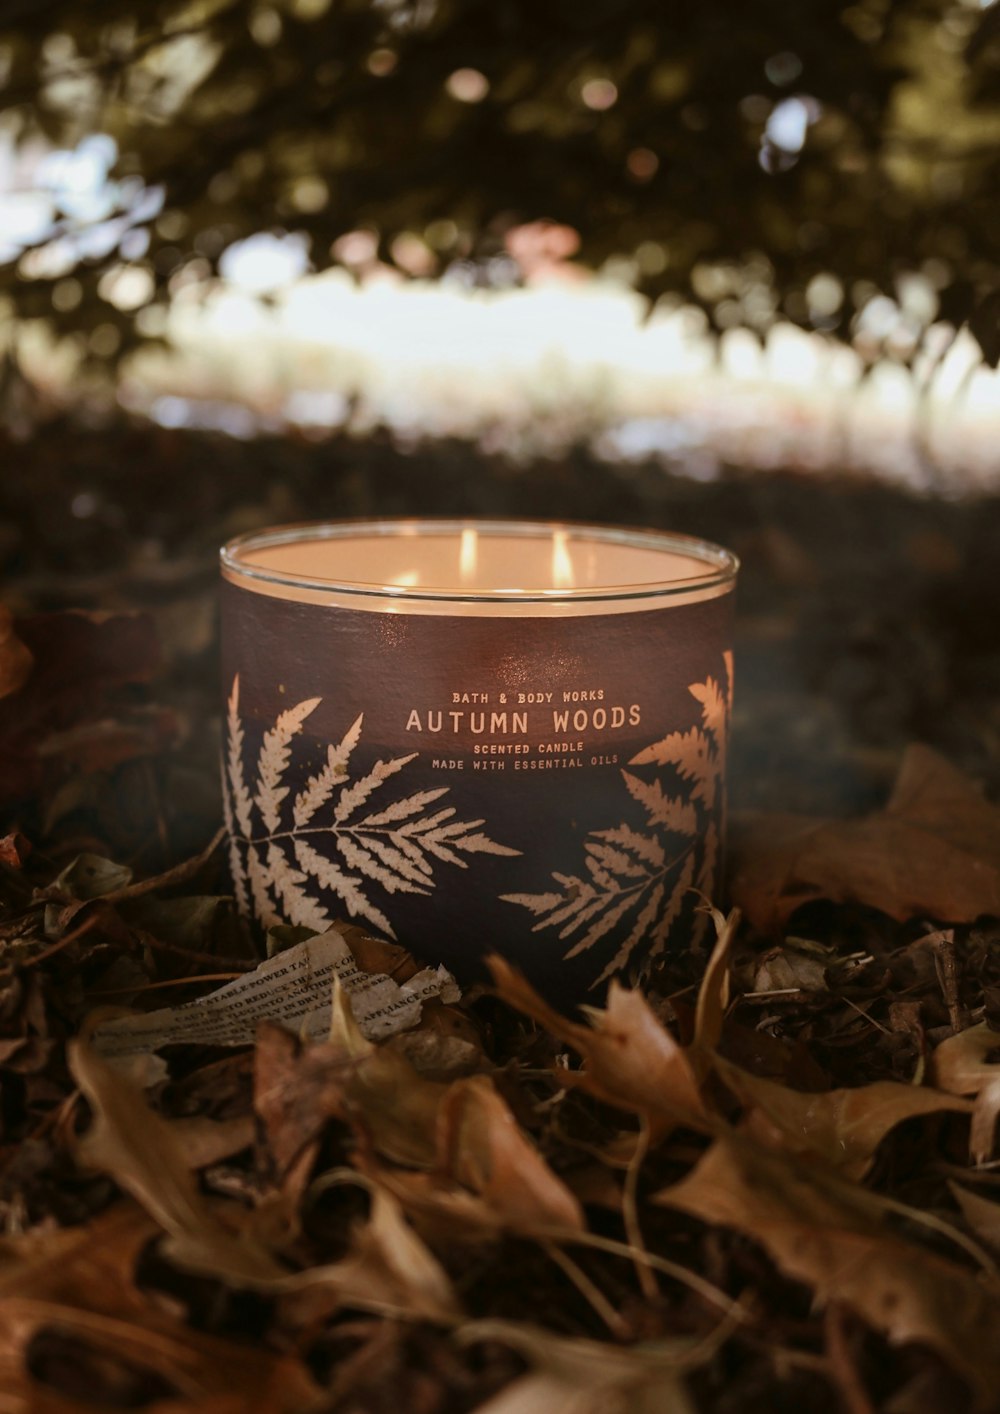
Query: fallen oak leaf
[[476, 1140], [388, 1269], [441, 1208], [88, 877], [933, 852], [832, 1236], [450, 1212], [435, 1050], [145, 1156], [843, 1127], [80, 1280], [462, 1132], [630, 1059], [485, 1149]]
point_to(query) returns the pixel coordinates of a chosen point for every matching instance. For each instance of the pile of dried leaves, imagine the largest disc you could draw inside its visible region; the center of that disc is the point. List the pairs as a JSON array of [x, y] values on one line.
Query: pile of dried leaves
[[767, 1182]]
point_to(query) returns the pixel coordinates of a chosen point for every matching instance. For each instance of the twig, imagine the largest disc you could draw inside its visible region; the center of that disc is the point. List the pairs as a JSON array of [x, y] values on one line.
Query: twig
[[588, 1289], [949, 976], [861, 1012], [171, 982], [843, 1367], [674, 1270], [192, 954], [179, 874], [63, 942], [630, 1212]]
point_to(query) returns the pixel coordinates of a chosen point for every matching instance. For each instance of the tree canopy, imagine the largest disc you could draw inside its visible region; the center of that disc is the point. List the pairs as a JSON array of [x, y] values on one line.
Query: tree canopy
[[765, 160]]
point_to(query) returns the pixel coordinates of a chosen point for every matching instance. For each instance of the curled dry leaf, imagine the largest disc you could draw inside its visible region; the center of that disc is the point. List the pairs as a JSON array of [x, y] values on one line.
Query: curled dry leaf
[[630, 1059], [463, 1132], [834, 1237], [963, 1064], [487, 1151], [966, 1064], [713, 994], [933, 852], [843, 1128], [80, 1281], [984, 1122], [792, 966], [389, 1270], [573, 1376], [981, 1215], [145, 1156]]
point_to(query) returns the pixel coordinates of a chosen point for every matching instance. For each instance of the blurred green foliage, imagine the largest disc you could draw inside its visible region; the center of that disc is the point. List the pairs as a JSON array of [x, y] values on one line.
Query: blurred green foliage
[[763, 158]]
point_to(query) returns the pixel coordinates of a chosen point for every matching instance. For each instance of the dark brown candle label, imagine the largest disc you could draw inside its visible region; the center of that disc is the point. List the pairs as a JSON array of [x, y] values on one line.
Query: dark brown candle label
[[548, 788]]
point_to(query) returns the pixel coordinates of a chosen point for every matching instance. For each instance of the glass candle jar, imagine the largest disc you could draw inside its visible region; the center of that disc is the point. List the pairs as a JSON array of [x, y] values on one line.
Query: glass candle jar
[[476, 736]]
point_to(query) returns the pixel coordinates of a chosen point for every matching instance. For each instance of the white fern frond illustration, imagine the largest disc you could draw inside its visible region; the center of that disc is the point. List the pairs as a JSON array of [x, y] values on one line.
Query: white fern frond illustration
[[643, 879], [235, 863], [293, 860], [274, 758], [237, 793], [319, 787]]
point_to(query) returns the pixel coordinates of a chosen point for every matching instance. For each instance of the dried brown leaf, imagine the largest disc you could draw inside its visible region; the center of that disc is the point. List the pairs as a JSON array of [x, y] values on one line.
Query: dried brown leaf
[[389, 1270], [963, 1064], [713, 994], [981, 1215], [464, 1132], [146, 1157], [984, 1122], [834, 1237], [843, 1128], [575, 1376], [630, 1059], [486, 1150], [791, 967], [81, 1281], [934, 852]]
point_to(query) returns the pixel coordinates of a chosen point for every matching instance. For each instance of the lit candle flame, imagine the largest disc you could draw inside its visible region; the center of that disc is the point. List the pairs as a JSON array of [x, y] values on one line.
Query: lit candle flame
[[468, 555], [562, 561]]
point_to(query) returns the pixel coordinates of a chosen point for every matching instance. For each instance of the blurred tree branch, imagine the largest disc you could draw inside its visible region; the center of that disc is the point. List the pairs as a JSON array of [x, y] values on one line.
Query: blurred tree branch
[[730, 154]]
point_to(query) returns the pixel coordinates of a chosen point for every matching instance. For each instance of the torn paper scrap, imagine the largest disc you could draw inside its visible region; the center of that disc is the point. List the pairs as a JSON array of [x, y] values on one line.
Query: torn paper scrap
[[293, 988]]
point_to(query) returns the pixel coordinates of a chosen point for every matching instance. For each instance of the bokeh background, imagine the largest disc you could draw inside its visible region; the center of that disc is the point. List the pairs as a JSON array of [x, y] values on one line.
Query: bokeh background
[[728, 268]]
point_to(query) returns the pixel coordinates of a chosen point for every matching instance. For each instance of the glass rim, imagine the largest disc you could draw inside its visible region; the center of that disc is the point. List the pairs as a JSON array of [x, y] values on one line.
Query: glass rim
[[722, 565]]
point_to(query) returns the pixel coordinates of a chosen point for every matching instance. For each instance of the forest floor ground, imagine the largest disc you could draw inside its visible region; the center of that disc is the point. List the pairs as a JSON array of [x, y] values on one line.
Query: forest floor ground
[[868, 620]]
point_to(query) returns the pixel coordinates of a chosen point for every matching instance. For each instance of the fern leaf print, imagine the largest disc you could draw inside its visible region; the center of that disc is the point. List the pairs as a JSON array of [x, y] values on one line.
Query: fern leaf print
[[298, 860], [647, 879]]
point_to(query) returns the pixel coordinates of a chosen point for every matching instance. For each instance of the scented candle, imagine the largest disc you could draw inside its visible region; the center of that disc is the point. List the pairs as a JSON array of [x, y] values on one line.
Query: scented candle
[[480, 736]]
